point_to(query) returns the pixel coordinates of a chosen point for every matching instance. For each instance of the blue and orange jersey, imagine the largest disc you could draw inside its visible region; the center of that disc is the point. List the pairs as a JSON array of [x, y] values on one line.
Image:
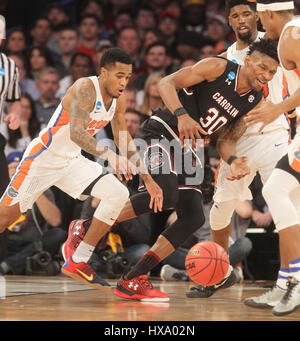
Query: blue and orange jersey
[[56, 136]]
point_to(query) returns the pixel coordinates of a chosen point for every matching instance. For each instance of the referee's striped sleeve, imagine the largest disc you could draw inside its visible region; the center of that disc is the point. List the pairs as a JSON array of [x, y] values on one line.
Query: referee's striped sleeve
[[13, 90]]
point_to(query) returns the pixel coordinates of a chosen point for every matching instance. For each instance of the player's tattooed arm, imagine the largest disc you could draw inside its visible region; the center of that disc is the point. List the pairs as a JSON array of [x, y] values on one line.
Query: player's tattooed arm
[[82, 104]]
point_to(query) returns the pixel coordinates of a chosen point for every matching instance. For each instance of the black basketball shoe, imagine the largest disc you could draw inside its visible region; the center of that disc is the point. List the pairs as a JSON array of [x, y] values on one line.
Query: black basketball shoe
[[200, 291]]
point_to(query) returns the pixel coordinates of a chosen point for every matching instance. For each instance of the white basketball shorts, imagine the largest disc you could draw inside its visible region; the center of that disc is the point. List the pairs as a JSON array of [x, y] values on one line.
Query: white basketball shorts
[[40, 169], [263, 152]]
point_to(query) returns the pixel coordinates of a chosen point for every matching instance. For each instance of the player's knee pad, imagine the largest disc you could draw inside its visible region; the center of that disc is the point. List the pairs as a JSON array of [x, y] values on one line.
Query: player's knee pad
[[220, 214], [113, 195], [276, 193]]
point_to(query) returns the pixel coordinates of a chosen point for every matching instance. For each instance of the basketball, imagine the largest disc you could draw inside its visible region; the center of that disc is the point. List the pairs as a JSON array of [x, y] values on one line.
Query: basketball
[[206, 263]]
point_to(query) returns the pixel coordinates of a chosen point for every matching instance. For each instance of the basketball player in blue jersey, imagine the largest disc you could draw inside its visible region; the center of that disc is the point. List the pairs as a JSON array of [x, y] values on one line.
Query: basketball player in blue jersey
[[55, 159]]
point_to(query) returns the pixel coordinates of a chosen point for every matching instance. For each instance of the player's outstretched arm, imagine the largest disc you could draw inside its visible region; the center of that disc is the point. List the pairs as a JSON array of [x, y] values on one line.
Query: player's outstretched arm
[[127, 147], [226, 146]]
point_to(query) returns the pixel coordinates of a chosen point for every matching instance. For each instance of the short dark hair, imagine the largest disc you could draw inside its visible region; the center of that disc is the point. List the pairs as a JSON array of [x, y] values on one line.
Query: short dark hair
[[84, 55], [124, 11], [266, 46], [114, 55], [157, 43], [128, 27], [233, 3], [68, 27], [55, 5], [90, 16], [34, 24], [145, 8]]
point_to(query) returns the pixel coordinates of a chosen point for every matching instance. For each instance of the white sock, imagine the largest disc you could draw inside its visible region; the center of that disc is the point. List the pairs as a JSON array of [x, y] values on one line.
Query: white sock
[[83, 253], [282, 277], [295, 269]]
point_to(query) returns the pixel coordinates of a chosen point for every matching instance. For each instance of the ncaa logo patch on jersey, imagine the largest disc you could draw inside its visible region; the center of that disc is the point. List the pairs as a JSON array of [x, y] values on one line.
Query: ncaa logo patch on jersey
[[98, 105], [230, 77], [2, 72]]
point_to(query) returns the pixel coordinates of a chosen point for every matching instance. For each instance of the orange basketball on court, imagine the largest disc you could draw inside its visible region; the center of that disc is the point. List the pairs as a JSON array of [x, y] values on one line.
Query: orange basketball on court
[[206, 263]]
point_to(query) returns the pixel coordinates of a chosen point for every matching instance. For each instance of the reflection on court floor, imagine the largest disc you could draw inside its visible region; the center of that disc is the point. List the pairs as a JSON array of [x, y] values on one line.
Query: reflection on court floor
[[59, 298]]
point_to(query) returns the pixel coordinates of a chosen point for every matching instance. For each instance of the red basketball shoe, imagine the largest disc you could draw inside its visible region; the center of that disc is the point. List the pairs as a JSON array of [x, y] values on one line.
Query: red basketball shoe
[[139, 288], [76, 233], [84, 273]]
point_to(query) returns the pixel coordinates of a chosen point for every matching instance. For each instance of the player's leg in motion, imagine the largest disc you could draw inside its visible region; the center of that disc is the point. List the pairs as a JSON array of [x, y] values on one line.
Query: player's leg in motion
[[282, 194], [273, 193], [79, 228], [190, 218], [278, 195], [134, 285], [113, 195], [273, 296]]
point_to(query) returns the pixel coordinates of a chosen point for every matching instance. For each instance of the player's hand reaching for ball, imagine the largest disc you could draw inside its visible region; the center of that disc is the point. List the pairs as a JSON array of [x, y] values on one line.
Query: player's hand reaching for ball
[[239, 169], [122, 166], [156, 194]]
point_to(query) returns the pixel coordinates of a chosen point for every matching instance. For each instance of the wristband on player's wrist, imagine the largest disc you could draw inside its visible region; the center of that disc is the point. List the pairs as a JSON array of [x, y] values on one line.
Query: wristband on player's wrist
[[180, 111], [231, 159]]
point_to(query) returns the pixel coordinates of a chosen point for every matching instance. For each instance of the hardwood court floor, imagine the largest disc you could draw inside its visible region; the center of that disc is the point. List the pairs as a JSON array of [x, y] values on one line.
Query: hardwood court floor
[[60, 298]]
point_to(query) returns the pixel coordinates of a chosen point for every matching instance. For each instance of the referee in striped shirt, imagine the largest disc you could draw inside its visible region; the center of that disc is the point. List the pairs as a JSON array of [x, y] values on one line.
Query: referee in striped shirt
[[9, 95]]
